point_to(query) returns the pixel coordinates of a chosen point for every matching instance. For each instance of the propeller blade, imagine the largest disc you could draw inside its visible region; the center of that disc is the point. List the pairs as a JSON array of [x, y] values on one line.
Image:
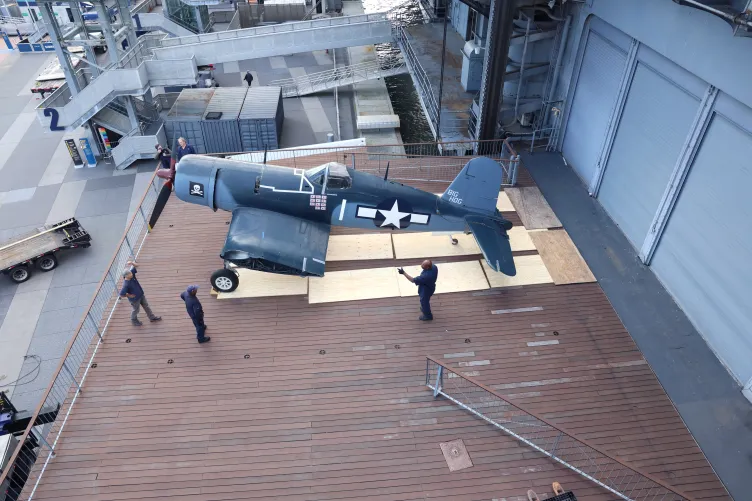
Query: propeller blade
[[164, 196]]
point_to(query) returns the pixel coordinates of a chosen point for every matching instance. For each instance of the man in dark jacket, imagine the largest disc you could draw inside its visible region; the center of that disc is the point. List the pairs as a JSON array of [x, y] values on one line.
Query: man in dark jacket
[[196, 312], [248, 78], [183, 149], [163, 155], [135, 294], [426, 283]]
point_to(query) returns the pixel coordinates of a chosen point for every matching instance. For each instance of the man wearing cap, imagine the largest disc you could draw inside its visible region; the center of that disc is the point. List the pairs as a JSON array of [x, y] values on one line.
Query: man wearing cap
[[196, 312], [426, 283], [135, 294]]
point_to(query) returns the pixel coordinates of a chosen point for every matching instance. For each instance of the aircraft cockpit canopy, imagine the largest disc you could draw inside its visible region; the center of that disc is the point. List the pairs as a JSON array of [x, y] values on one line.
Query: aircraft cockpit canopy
[[334, 174]]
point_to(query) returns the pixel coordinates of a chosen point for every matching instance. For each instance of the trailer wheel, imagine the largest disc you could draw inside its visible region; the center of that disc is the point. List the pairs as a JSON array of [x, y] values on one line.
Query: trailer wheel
[[20, 274], [225, 280], [47, 263]]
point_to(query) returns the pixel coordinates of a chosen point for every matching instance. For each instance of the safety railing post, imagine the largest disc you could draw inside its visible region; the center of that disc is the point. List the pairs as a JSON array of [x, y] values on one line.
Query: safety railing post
[[93, 323], [65, 367], [439, 381], [41, 438]]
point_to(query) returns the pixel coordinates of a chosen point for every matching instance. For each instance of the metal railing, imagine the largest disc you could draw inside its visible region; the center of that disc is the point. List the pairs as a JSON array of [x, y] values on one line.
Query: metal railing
[[343, 75], [37, 445], [422, 162], [612, 474]]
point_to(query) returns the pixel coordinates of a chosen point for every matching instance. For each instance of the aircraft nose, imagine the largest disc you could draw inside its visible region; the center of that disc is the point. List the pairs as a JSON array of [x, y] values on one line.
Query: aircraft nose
[[194, 180]]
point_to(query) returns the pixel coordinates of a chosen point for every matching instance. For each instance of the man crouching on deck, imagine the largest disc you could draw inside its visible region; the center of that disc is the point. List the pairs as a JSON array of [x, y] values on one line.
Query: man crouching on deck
[[426, 283]]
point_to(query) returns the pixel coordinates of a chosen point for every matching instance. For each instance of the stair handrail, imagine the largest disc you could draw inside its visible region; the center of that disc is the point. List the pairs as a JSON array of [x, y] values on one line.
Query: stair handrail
[[556, 437]]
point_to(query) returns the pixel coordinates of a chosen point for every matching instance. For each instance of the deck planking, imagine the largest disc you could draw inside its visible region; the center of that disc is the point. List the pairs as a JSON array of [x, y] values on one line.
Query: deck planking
[[261, 413]]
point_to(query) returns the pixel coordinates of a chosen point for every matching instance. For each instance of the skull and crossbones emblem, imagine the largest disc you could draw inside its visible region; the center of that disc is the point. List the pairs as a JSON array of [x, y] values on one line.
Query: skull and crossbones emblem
[[197, 189]]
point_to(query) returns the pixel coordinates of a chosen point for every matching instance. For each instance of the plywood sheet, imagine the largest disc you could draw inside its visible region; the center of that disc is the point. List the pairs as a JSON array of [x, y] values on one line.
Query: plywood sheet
[[421, 245], [453, 277], [354, 285], [503, 203], [260, 284], [359, 247], [530, 270], [532, 208], [563, 260]]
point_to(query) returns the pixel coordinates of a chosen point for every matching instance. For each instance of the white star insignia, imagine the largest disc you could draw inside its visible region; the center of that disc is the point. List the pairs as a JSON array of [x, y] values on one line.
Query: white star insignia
[[393, 216]]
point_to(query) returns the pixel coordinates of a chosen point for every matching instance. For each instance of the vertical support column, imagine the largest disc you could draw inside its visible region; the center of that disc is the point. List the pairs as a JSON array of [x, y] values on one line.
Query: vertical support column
[[90, 55], [621, 100], [109, 36], [499, 33], [127, 20], [130, 106], [48, 16], [679, 175], [199, 21]]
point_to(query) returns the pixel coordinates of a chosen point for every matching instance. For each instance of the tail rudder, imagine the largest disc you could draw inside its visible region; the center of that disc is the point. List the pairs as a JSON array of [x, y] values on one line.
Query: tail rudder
[[476, 186]]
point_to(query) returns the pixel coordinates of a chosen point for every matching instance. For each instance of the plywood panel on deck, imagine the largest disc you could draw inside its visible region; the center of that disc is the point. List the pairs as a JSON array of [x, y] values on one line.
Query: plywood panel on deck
[[453, 277], [422, 245], [359, 247], [530, 270], [563, 260], [532, 208], [503, 203], [353, 285], [260, 284]]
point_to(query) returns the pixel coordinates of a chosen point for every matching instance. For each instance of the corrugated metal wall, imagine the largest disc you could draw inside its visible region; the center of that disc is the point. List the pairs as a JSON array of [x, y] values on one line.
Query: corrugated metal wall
[[261, 119], [184, 118], [600, 74], [223, 135], [704, 255]]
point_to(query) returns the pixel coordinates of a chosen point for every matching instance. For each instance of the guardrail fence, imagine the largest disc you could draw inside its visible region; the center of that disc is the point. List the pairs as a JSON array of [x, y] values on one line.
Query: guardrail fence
[[615, 475], [38, 443]]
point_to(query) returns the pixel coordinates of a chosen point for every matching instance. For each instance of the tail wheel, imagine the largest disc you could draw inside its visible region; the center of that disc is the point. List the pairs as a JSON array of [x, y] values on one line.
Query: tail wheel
[[225, 280], [20, 274], [47, 263]]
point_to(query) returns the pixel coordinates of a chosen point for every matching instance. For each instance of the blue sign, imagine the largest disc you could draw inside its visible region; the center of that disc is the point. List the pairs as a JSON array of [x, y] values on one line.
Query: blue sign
[[83, 143]]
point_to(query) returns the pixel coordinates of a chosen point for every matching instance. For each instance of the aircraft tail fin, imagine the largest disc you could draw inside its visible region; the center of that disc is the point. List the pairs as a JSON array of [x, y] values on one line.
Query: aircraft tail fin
[[477, 185], [491, 235]]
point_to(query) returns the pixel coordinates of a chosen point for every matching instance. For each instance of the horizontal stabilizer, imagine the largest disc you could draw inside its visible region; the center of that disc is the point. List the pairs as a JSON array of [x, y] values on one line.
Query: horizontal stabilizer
[[492, 238]]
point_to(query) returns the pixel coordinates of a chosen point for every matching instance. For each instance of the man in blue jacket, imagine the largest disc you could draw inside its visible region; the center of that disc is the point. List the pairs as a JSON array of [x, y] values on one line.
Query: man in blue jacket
[[196, 312], [135, 294], [183, 149], [426, 283]]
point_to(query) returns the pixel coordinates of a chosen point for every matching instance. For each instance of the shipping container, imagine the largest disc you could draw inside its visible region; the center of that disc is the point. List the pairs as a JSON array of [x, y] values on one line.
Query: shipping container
[[261, 119], [184, 118], [220, 122]]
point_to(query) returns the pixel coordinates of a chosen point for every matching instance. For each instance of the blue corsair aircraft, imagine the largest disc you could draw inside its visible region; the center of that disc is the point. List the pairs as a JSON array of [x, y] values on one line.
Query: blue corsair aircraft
[[281, 217]]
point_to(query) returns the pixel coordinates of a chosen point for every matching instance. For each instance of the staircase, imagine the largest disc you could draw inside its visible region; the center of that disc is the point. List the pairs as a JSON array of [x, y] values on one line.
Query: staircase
[[615, 475], [157, 21], [345, 75]]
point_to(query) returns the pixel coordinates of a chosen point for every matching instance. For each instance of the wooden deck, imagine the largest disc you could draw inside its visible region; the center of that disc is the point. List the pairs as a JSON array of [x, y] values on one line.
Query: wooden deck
[[293, 401]]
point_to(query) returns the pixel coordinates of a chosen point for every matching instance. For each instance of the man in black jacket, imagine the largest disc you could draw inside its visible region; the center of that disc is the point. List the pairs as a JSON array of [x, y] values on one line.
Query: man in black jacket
[[248, 78], [196, 312]]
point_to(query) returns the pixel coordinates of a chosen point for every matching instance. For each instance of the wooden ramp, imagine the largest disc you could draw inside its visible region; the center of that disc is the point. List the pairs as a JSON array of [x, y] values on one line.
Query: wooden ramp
[[260, 284], [563, 260], [503, 203], [532, 208], [530, 270], [359, 247], [353, 285], [419, 245]]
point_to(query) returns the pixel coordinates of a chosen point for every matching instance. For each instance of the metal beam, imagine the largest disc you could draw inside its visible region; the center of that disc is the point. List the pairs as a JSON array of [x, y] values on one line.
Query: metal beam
[[679, 175], [500, 30], [48, 16]]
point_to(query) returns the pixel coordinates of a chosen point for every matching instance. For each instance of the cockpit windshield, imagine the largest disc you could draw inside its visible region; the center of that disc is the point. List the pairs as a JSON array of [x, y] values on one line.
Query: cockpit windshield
[[334, 174]]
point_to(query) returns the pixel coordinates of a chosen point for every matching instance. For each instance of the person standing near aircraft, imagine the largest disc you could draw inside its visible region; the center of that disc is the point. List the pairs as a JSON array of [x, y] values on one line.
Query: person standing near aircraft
[[426, 283], [183, 149], [135, 294], [196, 312]]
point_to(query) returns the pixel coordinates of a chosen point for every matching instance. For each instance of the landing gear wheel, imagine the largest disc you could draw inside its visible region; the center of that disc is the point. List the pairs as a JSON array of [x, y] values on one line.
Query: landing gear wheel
[[224, 280], [47, 263], [20, 275]]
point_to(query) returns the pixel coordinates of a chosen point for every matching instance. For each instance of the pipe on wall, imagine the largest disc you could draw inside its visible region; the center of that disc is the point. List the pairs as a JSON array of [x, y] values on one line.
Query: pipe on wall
[[738, 19]]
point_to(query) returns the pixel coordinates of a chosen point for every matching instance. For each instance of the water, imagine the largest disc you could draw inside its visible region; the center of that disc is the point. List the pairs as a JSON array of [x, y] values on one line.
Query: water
[[413, 124]]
